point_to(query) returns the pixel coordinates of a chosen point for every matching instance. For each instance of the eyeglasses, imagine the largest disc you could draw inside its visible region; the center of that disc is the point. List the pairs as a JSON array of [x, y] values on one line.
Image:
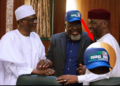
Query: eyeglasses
[[92, 23], [72, 26], [32, 20]]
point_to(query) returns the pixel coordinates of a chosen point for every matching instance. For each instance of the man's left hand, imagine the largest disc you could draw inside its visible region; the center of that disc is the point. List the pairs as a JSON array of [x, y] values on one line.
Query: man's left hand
[[68, 79], [81, 69], [43, 64]]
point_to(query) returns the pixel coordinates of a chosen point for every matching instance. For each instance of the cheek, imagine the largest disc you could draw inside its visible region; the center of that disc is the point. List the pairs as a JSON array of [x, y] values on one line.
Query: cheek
[[69, 31]]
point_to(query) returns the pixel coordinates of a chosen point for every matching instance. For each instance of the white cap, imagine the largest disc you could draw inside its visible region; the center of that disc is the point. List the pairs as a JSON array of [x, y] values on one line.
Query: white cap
[[24, 11]]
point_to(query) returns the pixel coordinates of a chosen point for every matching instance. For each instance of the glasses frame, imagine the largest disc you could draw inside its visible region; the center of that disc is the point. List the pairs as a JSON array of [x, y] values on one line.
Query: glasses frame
[[31, 20]]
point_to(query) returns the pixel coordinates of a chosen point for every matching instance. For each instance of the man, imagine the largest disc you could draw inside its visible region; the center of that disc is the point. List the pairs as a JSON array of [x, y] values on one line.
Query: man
[[67, 48], [99, 26], [22, 49]]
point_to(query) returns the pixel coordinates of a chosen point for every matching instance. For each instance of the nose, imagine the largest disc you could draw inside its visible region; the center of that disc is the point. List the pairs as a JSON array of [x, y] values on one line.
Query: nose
[[74, 27], [35, 21], [89, 26]]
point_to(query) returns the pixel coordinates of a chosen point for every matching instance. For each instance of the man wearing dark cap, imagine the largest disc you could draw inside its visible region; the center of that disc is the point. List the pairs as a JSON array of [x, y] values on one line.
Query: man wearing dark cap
[[99, 25], [67, 48]]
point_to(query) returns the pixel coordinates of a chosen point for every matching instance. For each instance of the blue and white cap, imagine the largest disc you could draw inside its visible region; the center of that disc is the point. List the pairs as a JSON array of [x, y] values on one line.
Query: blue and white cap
[[73, 15], [96, 57]]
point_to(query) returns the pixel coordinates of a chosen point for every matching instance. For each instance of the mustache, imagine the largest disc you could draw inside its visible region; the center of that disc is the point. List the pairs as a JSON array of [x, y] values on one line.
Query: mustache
[[91, 28]]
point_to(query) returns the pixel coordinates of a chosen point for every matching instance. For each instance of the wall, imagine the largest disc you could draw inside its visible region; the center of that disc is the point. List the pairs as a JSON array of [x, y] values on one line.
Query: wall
[[59, 14], [111, 5], [2, 17]]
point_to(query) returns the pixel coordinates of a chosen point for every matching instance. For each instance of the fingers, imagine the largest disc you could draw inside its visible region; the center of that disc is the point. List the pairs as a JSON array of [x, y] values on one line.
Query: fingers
[[43, 64], [63, 78], [80, 65], [50, 72], [60, 81]]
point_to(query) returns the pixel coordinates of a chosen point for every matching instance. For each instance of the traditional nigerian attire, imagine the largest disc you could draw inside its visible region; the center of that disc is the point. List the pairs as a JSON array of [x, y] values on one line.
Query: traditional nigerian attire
[[19, 55], [115, 72]]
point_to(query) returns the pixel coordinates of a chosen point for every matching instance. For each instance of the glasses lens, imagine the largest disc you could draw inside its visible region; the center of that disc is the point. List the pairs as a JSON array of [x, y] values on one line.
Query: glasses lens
[[35, 21]]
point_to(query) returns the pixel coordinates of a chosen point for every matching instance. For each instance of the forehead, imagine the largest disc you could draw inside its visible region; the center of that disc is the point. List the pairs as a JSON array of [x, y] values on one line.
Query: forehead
[[92, 20], [95, 20], [32, 16]]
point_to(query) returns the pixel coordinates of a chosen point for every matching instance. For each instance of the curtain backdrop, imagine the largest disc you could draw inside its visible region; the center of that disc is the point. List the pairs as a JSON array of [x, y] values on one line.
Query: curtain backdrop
[[43, 11]]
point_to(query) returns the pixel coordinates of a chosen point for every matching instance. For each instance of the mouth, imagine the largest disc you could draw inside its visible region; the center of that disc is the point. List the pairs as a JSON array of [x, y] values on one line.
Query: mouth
[[75, 32]]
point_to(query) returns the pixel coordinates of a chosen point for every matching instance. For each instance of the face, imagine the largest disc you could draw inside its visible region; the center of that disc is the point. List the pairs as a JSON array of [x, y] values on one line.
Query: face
[[73, 30], [30, 23], [95, 27]]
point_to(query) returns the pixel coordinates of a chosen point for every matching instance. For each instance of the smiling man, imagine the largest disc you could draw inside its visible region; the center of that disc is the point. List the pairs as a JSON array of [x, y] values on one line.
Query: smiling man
[[21, 49], [67, 48], [98, 23]]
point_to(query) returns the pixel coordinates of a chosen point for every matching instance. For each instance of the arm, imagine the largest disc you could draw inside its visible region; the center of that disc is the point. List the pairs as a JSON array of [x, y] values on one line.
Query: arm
[[47, 63], [17, 71], [70, 79], [91, 77]]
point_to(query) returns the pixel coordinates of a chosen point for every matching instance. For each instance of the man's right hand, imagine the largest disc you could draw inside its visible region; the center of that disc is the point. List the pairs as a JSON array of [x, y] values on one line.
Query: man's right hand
[[46, 72]]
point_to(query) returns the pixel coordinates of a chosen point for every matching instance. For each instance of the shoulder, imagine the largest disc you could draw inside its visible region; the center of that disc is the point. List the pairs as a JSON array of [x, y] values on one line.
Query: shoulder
[[8, 35], [58, 35], [84, 33], [35, 35]]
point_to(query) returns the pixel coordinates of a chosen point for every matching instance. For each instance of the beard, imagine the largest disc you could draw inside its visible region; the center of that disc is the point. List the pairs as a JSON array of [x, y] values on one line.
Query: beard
[[75, 38]]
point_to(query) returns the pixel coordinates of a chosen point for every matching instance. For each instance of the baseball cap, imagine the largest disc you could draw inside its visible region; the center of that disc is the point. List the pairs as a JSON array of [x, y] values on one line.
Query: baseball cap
[[72, 15], [96, 57], [24, 11]]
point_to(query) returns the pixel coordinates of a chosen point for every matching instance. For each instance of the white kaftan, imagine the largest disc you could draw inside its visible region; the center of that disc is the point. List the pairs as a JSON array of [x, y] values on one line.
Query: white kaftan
[[115, 72], [19, 55]]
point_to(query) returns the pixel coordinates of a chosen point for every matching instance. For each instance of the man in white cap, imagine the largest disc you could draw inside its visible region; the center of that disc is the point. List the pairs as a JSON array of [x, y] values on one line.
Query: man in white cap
[[22, 49]]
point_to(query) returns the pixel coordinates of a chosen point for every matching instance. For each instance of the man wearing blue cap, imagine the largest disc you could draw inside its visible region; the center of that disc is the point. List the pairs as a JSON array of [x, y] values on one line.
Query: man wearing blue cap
[[64, 47], [98, 20]]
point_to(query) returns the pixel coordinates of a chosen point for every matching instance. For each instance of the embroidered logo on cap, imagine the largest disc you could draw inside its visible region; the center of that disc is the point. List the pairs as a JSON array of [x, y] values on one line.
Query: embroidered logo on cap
[[75, 14], [99, 55]]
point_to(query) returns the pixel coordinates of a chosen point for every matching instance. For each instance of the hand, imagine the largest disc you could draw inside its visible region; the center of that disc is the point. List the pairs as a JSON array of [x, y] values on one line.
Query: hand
[[68, 79], [49, 72], [46, 72], [43, 64], [81, 69]]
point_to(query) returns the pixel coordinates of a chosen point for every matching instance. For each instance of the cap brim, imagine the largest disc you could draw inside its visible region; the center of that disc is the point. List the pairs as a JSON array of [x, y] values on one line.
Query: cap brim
[[97, 64], [74, 19]]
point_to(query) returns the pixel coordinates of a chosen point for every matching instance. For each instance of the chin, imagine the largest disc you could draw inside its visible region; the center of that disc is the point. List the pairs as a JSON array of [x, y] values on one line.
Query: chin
[[75, 37]]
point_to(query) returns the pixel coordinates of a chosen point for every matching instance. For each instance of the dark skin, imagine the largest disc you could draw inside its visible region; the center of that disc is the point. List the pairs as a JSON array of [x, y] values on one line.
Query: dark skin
[[98, 28], [73, 28], [25, 27], [70, 79]]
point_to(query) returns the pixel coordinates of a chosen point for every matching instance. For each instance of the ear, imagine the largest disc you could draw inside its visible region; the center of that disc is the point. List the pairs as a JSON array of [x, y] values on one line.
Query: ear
[[104, 24], [64, 25], [21, 22]]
